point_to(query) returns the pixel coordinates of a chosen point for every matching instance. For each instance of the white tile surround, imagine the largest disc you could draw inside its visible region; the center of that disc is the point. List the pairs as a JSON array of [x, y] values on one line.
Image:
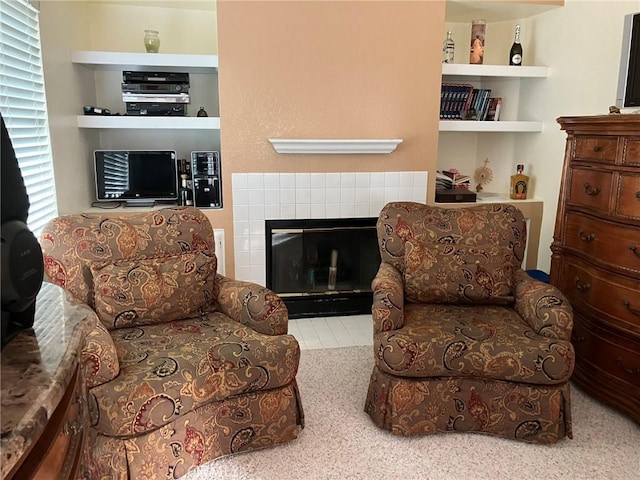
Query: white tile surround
[[274, 196]]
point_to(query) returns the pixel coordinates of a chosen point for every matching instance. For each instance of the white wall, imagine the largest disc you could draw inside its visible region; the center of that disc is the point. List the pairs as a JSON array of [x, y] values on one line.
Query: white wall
[[62, 26], [581, 42], [188, 27]]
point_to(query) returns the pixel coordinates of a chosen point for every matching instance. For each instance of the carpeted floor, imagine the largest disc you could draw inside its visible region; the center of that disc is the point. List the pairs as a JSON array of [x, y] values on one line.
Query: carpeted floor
[[340, 442]]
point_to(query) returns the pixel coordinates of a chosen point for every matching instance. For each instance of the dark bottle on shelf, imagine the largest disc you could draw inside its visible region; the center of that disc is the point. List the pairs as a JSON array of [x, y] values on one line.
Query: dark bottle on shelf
[[515, 55], [185, 195]]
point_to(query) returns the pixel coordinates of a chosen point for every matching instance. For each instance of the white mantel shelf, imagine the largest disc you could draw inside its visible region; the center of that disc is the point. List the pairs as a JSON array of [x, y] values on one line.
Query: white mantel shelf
[[333, 146]]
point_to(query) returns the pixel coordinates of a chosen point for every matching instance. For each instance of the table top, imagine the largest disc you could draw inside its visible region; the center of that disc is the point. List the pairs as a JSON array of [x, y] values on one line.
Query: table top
[[37, 366]]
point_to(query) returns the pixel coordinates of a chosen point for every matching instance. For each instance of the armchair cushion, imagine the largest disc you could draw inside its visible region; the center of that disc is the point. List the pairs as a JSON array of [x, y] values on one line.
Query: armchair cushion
[[131, 293], [480, 341], [448, 273], [170, 369]]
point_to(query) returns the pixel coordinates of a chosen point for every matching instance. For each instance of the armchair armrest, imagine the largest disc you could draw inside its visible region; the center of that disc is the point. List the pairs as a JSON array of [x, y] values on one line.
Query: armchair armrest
[[543, 307], [98, 358], [252, 305], [388, 299]]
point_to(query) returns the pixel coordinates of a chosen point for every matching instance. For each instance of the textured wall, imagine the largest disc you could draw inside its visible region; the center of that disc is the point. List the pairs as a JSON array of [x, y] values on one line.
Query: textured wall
[[328, 70]]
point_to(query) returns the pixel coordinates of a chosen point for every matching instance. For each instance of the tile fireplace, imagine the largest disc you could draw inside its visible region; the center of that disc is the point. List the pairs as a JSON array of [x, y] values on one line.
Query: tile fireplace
[[322, 266], [301, 196]]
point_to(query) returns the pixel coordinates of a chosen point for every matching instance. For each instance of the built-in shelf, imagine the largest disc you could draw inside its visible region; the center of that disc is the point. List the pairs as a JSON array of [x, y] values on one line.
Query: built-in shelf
[[504, 198], [491, 71], [507, 71], [333, 146], [498, 127], [496, 11], [146, 61], [144, 122]]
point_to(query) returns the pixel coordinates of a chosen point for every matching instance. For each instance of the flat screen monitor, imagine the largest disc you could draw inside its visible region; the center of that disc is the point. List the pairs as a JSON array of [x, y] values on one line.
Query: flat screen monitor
[[628, 95], [137, 177]]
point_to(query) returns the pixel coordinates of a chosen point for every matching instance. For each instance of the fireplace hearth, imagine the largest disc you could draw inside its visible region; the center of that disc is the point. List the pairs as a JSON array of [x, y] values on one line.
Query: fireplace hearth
[[322, 267]]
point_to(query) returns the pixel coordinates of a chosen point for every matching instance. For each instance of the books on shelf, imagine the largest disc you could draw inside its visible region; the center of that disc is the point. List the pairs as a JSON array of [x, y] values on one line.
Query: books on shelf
[[495, 104], [455, 100], [460, 101], [481, 103], [450, 179]]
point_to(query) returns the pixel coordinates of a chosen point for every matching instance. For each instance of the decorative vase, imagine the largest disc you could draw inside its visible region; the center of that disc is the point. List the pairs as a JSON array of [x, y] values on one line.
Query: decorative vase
[[151, 41]]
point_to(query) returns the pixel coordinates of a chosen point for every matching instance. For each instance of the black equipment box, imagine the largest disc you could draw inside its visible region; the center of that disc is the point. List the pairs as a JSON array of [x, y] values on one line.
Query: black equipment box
[[155, 77], [155, 88], [157, 109], [455, 195], [207, 179]]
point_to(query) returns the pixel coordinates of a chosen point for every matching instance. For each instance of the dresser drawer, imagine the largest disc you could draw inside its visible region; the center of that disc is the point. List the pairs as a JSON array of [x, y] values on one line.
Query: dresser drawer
[[595, 148], [605, 350], [628, 198], [612, 298], [611, 243], [632, 152], [590, 188]]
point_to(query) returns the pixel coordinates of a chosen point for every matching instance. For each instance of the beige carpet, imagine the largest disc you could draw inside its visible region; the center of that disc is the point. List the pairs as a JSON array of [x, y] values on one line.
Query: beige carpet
[[340, 442]]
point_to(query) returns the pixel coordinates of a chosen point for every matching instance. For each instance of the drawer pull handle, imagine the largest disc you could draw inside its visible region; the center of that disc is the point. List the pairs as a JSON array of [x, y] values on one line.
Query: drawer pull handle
[[628, 370], [631, 309], [597, 148], [634, 249], [592, 192], [586, 238], [583, 287], [638, 194]]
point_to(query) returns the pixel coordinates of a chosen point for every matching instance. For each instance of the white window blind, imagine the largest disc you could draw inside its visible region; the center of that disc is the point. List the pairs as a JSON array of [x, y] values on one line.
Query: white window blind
[[24, 109]]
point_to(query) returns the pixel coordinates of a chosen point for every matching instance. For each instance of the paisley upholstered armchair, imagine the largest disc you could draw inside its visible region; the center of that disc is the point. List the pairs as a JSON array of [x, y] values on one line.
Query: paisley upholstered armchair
[[464, 339], [181, 365]]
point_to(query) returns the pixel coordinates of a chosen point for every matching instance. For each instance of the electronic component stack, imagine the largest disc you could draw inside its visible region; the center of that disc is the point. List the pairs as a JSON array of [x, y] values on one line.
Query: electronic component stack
[[156, 94]]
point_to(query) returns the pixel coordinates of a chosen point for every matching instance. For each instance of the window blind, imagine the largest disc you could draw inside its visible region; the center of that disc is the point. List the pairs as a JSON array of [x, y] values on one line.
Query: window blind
[[23, 106]]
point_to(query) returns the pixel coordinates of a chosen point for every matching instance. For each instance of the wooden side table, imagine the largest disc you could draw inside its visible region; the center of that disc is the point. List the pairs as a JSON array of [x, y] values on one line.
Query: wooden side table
[[44, 415]]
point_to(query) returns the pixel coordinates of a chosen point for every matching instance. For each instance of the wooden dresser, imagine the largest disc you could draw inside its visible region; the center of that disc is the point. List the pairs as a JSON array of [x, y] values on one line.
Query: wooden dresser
[[596, 254], [44, 411]]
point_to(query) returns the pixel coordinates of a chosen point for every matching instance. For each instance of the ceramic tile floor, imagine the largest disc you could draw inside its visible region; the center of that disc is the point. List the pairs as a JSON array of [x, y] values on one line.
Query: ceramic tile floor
[[332, 332]]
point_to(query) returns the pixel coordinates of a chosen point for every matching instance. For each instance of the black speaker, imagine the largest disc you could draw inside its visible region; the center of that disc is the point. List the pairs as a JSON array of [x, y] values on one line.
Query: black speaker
[[21, 255]]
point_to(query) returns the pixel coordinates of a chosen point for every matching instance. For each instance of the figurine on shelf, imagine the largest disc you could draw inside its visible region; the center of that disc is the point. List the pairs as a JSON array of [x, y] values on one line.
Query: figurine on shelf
[[483, 175], [202, 113]]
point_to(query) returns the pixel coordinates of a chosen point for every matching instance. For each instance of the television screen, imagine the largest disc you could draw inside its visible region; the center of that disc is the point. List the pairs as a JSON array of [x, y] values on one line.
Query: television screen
[[136, 176], [629, 79]]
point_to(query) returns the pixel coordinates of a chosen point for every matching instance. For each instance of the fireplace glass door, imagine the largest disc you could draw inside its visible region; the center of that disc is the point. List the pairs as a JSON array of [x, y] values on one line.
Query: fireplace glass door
[[322, 266]]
